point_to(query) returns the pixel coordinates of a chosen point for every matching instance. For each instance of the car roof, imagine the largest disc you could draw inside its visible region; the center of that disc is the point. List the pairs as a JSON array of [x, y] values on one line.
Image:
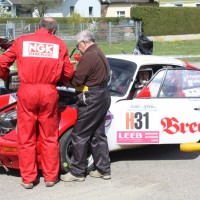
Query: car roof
[[148, 59]]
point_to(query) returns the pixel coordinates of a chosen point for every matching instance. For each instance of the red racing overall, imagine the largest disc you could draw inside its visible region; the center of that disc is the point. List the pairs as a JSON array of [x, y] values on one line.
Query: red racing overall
[[41, 59]]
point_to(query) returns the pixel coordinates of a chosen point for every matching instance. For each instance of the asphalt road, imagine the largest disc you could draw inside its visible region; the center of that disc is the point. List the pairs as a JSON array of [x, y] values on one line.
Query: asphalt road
[[148, 173]]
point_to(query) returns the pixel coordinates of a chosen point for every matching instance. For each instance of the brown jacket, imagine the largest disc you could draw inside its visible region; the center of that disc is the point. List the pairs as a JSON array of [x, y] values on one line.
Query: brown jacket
[[91, 69]]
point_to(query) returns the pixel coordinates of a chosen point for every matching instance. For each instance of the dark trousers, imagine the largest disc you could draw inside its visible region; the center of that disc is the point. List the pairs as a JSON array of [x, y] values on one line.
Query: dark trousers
[[89, 131]]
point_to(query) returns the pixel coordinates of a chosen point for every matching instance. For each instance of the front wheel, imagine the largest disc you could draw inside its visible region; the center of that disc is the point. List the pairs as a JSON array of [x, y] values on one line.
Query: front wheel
[[66, 150]]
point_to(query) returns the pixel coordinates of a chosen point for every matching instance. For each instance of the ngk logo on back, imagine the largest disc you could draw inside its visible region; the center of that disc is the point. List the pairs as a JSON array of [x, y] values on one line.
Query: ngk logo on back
[[39, 49]]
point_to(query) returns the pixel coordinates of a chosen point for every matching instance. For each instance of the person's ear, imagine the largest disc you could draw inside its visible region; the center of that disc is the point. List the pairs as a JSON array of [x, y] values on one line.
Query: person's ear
[[53, 32]]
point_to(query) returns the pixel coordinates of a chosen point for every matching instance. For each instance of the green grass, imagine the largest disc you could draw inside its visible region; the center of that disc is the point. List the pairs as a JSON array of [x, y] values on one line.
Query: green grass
[[187, 47], [167, 48], [177, 1]]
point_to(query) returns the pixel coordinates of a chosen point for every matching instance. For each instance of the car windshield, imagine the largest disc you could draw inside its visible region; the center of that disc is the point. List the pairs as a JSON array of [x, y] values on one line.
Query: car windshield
[[121, 76]]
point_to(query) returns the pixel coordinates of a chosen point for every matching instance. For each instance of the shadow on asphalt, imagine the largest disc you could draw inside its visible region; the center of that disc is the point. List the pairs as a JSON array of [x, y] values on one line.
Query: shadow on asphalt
[[153, 152], [15, 172], [11, 172]]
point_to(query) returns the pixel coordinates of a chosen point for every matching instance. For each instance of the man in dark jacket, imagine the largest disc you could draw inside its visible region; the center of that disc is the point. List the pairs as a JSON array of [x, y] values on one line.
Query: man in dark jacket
[[92, 74]]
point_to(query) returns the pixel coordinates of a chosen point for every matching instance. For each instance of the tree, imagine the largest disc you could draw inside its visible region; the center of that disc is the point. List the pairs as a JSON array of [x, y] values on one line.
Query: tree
[[41, 6], [4, 12]]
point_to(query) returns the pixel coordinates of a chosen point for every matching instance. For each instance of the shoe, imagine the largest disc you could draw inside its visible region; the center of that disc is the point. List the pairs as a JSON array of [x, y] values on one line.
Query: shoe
[[69, 178], [51, 184], [27, 185], [97, 174]]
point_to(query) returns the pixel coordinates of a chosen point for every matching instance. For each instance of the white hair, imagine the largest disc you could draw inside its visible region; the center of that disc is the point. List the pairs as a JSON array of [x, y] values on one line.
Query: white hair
[[86, 36]]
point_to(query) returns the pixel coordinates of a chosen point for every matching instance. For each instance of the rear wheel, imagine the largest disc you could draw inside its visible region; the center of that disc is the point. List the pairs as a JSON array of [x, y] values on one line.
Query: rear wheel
[[66, 150]]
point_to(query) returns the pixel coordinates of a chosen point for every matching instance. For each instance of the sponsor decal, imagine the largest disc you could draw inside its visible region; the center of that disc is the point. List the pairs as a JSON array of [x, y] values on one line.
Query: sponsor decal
[[173, 125], [135, 121], [192, 79], [146, 107], [192, 92], [109, 118], [132, 137], [38, 49]]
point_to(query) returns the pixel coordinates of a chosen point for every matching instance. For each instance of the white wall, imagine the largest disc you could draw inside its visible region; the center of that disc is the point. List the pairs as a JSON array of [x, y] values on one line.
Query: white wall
[[6, 3], [81, 7], [112, 10]]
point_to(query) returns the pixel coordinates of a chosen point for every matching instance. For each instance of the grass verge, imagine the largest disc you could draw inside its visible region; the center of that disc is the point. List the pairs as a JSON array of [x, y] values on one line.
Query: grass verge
[[184, 48]]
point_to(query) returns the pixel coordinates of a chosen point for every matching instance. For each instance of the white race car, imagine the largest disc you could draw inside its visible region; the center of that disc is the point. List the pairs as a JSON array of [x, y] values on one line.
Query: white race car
[[164, 111]]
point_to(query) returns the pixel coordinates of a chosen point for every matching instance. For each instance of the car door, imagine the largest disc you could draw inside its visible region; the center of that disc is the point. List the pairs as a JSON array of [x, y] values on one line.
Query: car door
[[166, 111]]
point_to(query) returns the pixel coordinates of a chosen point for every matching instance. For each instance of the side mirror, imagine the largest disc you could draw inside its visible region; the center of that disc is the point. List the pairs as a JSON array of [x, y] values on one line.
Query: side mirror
[[13, 81]]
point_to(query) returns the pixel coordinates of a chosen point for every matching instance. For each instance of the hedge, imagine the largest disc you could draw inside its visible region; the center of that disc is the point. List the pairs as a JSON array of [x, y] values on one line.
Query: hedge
[[157, 21]]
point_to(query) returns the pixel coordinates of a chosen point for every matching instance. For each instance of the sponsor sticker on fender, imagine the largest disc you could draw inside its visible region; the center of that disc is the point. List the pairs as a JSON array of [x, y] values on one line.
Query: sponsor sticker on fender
[[109, 118], [132, 137], [135, 121], [39, 49]]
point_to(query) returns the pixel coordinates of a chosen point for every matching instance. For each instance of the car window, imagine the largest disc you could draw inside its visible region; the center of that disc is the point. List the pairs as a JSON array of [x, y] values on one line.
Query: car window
[[173, 83], [170, 84], [181, 83], [155, 84], [191, 83], [121, 76]]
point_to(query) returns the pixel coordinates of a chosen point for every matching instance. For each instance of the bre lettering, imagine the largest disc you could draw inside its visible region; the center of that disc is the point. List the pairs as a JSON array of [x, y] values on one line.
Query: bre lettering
[[172, 126]]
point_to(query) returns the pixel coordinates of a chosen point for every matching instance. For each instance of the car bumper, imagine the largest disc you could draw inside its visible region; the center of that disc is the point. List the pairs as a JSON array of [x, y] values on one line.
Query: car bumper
[[8, 153]]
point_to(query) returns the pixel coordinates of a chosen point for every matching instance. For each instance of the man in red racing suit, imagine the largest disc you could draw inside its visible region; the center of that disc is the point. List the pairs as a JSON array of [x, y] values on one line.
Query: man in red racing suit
[[41, 58]]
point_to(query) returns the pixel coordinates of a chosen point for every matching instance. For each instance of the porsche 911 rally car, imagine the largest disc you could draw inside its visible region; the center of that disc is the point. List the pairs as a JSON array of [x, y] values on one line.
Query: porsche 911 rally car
[[164, 111]]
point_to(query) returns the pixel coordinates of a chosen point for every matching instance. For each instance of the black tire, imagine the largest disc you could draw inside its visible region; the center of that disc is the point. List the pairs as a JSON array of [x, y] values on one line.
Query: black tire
[[66, 150]]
